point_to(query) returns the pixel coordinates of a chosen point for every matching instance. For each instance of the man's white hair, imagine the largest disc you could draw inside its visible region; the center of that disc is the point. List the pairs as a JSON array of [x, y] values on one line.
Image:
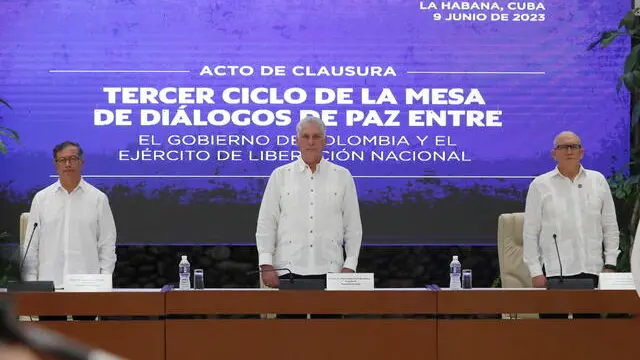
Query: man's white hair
[[311, 120], [556, 140]]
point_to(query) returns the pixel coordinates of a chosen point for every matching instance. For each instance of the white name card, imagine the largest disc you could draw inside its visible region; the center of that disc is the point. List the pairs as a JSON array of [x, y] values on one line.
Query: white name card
[[350, 281], [616, 281], [88, 283]]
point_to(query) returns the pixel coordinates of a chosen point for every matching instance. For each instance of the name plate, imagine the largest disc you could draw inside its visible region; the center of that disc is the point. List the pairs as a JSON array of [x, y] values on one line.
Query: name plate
[[616, 281], [88, 283], [350, 281]]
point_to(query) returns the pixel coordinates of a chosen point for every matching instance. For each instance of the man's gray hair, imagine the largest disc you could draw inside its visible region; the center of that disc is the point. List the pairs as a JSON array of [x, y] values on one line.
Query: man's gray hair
[[565, 133], [311, 120]]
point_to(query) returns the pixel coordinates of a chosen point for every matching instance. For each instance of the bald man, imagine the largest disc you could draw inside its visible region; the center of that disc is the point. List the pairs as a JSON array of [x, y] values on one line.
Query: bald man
[[569, 216]]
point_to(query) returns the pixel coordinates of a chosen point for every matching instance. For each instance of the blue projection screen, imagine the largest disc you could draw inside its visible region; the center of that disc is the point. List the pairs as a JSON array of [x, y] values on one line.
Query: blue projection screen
[[442, 110]]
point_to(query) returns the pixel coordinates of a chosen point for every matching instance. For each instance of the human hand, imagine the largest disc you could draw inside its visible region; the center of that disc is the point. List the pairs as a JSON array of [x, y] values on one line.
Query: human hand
[[270, 276], [16, 352], [539, 281]]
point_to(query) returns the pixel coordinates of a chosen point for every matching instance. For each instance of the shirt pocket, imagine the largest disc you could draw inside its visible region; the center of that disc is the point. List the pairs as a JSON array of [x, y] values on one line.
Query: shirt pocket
[[332, 198], [85, 213], [288, 249], [290, 199], [594, 202], [52, 215], [332, 249], [552, 206]]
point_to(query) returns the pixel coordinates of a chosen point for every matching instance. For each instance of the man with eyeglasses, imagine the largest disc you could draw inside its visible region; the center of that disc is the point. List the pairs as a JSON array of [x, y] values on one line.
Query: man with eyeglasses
[[572, 208], [76, 233]]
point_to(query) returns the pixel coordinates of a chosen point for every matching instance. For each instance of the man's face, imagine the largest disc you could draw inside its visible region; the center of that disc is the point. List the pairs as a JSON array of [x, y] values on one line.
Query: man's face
[[311, 142], [68, 163], [568, 151]]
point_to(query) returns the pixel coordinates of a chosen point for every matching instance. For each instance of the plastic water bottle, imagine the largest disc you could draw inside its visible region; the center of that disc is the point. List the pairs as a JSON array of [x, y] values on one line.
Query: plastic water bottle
[[455, 272], [184, 272]]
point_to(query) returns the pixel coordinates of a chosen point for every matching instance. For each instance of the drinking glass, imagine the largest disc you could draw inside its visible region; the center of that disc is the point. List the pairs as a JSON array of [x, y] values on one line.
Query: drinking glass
[[467, 279], [198, 279]]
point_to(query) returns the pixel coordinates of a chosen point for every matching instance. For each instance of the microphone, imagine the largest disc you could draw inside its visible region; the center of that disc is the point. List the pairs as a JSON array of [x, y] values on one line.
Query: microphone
[[44, 341], [301, 283], [570, 283], [35, 225], [20, 285], [291, 277], [555, 241]]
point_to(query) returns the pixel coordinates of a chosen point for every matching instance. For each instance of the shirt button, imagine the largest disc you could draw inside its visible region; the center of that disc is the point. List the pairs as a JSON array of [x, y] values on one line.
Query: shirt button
[[290, 241], [310, 245], [311, 190], [312, 178], [311, 203], [311, 231], [310, 217]]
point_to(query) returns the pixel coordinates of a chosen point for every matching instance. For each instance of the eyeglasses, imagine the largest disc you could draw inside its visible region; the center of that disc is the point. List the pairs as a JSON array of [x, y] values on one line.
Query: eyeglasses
[[71, 160], [569, 146]]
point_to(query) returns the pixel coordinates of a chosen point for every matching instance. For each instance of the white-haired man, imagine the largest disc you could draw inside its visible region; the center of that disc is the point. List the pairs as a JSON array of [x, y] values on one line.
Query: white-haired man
[[309, 218], [570, 219]]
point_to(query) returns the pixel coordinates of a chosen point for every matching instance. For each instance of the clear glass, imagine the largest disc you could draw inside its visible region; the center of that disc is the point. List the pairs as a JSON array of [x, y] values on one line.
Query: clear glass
[[467, 279], [198, 279]]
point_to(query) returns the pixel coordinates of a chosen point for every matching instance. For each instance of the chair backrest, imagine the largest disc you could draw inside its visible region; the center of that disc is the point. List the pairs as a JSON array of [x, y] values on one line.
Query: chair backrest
[[514, 273], [24, 220]]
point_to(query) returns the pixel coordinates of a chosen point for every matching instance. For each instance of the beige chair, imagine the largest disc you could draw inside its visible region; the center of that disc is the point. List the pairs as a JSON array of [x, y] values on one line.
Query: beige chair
[[514, 273], [24, 220]]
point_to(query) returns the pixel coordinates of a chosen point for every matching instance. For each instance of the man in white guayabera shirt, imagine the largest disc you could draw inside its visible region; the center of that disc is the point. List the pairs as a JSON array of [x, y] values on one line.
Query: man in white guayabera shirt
[[76, 233], [309, 218], [572, 207]]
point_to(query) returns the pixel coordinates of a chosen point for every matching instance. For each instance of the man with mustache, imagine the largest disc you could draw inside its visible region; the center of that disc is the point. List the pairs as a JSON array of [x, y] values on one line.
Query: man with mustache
[[76, 233]]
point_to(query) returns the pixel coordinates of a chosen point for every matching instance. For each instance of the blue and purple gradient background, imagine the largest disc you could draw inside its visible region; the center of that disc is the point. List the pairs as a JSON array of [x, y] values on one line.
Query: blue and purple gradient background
[[576, 93]]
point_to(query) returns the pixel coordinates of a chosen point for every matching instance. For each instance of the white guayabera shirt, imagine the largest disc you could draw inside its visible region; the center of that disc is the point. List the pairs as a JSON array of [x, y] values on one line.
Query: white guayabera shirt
[[76, 234], [306, 218], [581, 214]]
